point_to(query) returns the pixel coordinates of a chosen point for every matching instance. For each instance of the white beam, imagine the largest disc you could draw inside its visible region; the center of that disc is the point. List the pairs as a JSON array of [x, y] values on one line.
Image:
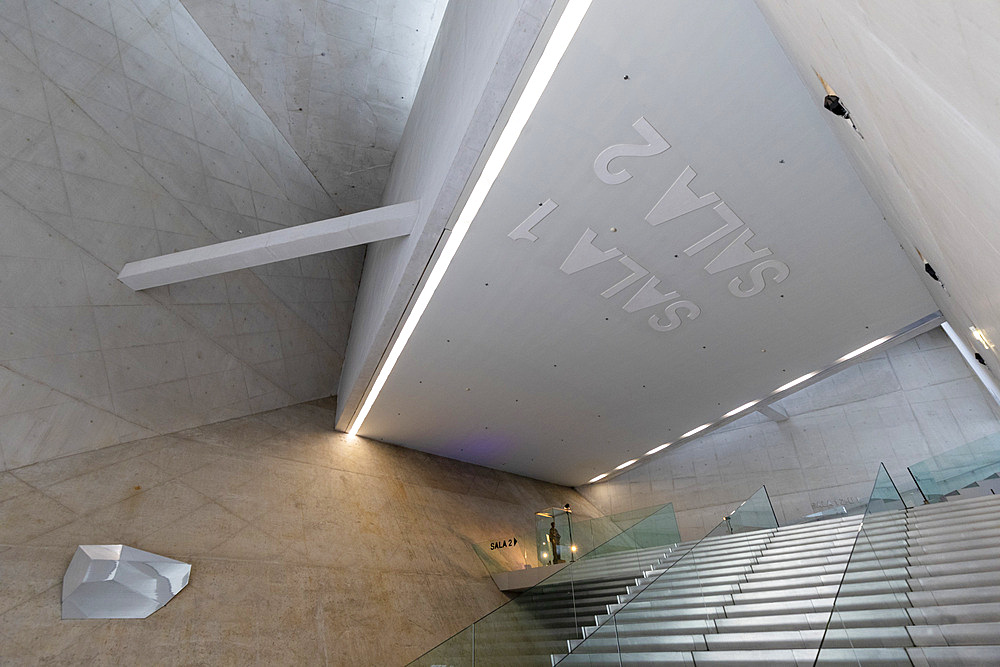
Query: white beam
[[311, 238], [773, 412], [969, 355]]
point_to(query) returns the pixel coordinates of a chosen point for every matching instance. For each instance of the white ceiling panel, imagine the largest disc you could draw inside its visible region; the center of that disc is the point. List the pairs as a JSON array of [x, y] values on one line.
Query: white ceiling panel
[[632, 312]]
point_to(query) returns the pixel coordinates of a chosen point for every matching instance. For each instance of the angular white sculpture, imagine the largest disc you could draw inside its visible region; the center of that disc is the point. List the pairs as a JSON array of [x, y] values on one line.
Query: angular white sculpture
[[116, 581]]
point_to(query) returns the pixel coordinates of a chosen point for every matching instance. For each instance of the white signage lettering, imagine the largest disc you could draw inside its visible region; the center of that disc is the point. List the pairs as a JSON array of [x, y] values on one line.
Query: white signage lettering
[[679, 200], [585, 254], [638, 273], [736, 253], [757, 278], [523, 230], [673, 319], [648, 296], [655, 144], [676, 202], [732, 221]]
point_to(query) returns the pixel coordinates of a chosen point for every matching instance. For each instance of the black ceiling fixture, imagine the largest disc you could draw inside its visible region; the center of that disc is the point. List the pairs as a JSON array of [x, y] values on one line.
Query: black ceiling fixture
[[833, 104]]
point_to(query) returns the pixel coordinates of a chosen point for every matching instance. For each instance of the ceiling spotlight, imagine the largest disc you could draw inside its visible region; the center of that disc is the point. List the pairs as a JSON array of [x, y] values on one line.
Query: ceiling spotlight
[[626, 464], [598, 478], [980, 336]]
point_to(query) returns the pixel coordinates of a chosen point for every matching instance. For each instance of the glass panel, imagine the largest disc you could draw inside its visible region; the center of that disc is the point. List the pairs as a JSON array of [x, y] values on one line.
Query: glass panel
[[591, 533], [756, 513], [540, 622], [682, 603], [578, 537], [658, 528], [554, 535], [868, 613], [457, 651], [960, 471]]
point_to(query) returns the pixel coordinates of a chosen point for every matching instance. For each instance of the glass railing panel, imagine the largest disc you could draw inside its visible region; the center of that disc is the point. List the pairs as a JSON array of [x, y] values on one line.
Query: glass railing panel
[[871, 599], [650, 526], [591, 533], [686, 598], [457, 651], [537, 624], [755, 513], [603, 647], [957, 468]]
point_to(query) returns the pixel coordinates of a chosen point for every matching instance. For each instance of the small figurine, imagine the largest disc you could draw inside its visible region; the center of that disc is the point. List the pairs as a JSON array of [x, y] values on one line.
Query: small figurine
[[554, 541]]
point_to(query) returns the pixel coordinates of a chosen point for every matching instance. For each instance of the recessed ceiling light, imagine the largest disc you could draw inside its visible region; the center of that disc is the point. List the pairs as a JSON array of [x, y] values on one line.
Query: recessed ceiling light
[[795, 382], [863, 349], [740, 409], [598, 478], [980, 336], [696, 430], [626, 464], [560, 40], [658, 449]]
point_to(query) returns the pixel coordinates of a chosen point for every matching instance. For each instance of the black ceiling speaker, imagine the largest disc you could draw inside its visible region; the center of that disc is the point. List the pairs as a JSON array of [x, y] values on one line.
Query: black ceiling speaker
[[835, 106]]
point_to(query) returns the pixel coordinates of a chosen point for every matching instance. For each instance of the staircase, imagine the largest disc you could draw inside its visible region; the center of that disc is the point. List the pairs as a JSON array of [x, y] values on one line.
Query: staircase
[[917, 587], [542, 620], [983, 487]]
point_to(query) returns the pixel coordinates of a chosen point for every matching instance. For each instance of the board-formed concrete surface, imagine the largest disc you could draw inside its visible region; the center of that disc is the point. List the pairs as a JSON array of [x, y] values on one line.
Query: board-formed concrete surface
[[127, 135], [921, 82], [307, 546], [338, 78]]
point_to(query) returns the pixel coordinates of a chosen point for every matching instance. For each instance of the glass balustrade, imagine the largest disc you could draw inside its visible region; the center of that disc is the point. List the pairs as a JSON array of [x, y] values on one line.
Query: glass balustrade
[[686, 599], [537, 624], [870, 602], [949, 473], [633, 598], [518, 551]]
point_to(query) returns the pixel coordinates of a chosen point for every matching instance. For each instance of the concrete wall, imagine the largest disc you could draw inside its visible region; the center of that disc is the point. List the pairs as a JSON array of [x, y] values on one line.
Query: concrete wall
[[921, 81], [337, 78], [308, 547], [125, 135], [915, 400]]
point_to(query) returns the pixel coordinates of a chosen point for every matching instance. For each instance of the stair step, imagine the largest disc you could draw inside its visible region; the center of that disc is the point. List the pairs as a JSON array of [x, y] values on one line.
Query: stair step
[[921, 586]]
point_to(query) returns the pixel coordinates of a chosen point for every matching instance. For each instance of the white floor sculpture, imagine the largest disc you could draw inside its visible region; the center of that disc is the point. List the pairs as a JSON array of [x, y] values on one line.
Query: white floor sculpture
[[116, 581]]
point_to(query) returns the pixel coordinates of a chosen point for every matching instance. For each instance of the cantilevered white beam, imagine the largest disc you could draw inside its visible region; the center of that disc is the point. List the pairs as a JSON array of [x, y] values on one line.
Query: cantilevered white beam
[[773, 412], [311, 238]]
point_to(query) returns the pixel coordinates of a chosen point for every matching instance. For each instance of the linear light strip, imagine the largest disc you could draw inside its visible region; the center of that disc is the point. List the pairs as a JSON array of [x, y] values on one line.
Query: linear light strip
[[658, 449], [563, 34], [736, 411], [746, 406]]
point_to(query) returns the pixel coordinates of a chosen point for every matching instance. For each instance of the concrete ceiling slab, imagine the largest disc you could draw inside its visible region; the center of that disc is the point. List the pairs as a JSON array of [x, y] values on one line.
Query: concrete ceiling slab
[[675, 234]]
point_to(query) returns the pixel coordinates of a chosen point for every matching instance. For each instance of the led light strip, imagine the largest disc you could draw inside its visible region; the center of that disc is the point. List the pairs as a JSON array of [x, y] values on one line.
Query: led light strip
[[746, 406], [563, 34]]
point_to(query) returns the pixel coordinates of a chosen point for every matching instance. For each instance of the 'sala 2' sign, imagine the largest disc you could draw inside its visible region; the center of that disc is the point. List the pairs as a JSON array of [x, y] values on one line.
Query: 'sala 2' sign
[[676, 202]]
